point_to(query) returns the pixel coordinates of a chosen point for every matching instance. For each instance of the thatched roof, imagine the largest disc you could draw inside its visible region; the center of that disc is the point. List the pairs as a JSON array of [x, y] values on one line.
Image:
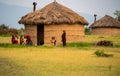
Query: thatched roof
[[53, 13], [106, 21]]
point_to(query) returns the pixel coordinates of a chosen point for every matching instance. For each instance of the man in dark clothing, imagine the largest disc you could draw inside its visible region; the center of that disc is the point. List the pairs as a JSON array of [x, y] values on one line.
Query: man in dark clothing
[[64, 38]]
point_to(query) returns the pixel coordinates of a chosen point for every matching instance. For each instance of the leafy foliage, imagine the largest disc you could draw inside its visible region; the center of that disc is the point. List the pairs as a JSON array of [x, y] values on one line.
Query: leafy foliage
[[117, 13], [87, 31], [100, 53], [6, 31], [104, 43], [3, 26]]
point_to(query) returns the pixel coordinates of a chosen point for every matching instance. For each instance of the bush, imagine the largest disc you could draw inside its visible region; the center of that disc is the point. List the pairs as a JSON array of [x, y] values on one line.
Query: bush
[[6, 31], [100, 53], [13, 30], [3, 26], [104, 43], [87, 31]]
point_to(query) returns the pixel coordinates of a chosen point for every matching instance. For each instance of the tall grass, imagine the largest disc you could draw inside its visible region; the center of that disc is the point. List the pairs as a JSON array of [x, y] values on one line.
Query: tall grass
[[72, 60], [56, 62], [9, 67], [9, 45], [80, 44]]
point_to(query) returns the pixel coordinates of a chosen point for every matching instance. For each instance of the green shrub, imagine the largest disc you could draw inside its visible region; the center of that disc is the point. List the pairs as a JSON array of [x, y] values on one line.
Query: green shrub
[[6, 31], [87, 31], [100, 53]]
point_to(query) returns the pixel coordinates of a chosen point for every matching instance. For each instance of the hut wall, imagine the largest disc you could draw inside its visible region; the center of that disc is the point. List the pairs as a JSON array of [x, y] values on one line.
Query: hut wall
[[32, 31], [106, 31], [74, 33]]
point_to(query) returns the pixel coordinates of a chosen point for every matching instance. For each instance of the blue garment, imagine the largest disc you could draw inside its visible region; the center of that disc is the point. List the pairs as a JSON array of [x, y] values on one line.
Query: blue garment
[[30, 43]]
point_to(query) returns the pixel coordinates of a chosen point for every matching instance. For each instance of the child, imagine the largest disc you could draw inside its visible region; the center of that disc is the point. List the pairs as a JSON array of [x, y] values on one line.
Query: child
[[53, 41]]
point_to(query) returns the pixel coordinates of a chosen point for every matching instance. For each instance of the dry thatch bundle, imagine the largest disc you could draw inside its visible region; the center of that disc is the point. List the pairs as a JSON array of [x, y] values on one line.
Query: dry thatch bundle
[[53, 13], [106, 21]]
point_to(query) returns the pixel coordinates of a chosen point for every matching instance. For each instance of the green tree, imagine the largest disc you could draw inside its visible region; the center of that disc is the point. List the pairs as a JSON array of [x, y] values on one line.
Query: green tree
[[87, 31], [117, 13], [3, 26]]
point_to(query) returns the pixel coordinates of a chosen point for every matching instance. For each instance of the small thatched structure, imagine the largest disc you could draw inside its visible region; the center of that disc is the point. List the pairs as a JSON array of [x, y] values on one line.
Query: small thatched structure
[[106, 26], [50, 21]]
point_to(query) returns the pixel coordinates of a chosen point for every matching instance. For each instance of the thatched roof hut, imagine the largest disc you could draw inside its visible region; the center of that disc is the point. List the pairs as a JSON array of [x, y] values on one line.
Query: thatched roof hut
[[52, 19], [106, 26], [53, 13]]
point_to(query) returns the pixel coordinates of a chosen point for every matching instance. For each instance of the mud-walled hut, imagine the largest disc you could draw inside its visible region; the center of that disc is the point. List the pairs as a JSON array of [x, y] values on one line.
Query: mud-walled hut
[[107, 25], [50, 21]]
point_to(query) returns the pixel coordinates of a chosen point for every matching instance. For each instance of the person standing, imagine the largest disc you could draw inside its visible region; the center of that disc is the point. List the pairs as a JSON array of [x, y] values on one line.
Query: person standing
[[21, 40], [13, 39], [63, 38], [16, 39]]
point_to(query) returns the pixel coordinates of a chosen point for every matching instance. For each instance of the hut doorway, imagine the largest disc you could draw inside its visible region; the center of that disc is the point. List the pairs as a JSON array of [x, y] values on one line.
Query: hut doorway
[[40, 34]]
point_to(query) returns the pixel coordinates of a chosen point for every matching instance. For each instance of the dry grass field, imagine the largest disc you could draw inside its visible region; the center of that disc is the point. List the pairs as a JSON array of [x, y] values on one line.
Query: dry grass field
[[59, 61]]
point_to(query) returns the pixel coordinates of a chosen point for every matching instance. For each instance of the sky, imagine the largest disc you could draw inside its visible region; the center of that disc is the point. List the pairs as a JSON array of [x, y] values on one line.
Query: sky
[[11, 11]]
